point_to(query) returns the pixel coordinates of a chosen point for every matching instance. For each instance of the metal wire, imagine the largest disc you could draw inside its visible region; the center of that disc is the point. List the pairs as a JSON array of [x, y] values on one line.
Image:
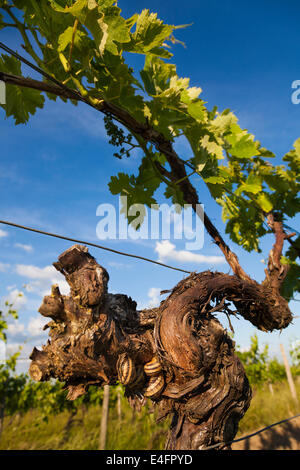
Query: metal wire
[[83, 242], [38, 69], [220, 443], [78, 95], [251, 435]]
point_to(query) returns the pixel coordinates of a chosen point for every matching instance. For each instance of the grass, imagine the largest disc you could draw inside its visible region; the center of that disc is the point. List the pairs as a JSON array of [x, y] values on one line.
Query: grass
[[133, 431], [267, 407]]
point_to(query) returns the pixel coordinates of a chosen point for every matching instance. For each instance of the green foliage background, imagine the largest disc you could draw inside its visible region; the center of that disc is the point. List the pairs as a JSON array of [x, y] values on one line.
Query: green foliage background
[[27, 406]]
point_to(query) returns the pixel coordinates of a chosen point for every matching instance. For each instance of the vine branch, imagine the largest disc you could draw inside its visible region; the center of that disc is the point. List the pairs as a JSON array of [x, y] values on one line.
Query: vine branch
[[148, 134]]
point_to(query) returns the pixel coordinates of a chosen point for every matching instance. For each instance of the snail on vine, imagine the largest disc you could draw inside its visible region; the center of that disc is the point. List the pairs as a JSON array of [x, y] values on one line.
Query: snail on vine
[[134, 377]]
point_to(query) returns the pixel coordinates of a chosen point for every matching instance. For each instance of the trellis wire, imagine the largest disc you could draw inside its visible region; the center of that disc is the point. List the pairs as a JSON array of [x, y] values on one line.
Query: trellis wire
[[5, 222], [251, 435], [248, 436], [78, 95], [62, 237], [38, 69]]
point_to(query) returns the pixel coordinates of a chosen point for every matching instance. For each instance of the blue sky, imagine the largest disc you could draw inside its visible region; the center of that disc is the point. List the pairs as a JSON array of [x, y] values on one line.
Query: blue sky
[[55, 170]]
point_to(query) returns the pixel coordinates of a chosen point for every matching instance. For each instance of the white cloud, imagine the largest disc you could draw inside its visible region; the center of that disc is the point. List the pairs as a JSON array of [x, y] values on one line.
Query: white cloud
[[23, 362], [25, 336], [17, 299], [2, 351], [154, 299], [18, 333], [154, 294], [24, 247], [35, 326], [15, 328], [167, 250], [34, 272], [12, 348], [4, 267], [42, 279], [3, 233]]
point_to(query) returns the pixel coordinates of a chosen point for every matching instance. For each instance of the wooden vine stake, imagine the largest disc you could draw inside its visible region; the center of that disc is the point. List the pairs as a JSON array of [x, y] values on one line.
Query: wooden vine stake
[[289, 375], [178, 355], [119, 405], [104, 418]]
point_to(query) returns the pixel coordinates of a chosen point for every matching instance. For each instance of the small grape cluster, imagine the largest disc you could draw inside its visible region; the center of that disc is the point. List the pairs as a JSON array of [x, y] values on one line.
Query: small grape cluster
[[118, 138]]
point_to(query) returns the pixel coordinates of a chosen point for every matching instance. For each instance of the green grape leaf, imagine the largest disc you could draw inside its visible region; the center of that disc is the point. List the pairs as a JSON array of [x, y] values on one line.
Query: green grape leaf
[[264, 202], [175, 194], [20, 102], [245, 185], [148, 81], [136, 189], [114, 30], [149, 35], [223, 122], [197, 110], [65, 39], [243, 148], [293, 159], [297, 148], [212, 147], [147, 176], [157, 74], [291, 284], [215, 180], [78, 9], [294, 249], [102, 19], [253, 188], [242, 144], [118, 184]]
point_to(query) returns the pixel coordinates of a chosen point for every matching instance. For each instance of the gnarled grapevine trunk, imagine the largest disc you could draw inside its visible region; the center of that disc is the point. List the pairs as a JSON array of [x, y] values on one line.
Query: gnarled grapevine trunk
[[177, 355]]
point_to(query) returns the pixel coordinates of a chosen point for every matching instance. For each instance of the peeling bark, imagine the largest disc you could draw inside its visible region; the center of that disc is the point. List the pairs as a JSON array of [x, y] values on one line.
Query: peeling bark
[[177, 354], [201, 381]]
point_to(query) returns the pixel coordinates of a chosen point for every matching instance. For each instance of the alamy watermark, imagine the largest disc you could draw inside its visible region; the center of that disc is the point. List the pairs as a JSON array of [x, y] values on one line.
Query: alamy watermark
[[296, 94], [154, 223]]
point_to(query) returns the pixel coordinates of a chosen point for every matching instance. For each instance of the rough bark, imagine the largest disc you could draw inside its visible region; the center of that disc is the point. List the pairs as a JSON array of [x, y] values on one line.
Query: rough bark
[[178, 354], [94, 333]]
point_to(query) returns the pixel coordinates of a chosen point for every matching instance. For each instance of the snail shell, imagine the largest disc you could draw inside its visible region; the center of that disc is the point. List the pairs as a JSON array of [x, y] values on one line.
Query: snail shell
[[139, 379], [153, 367], [155, 387], [126, 369]]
